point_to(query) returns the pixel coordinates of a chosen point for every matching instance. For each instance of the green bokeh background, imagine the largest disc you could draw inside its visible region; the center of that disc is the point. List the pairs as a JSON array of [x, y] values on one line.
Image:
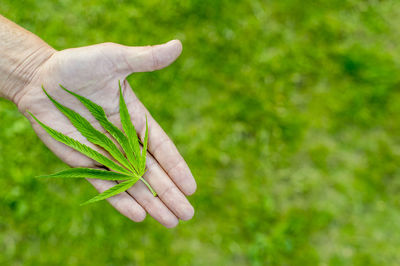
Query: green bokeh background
[[286, 111]]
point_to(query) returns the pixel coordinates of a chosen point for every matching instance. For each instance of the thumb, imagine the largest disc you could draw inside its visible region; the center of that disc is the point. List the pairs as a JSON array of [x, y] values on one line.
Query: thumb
[[148, 58]]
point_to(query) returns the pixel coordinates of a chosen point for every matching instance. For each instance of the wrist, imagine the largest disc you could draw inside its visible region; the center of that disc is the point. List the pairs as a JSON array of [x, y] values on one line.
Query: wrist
[[23, 71], [21, 56]]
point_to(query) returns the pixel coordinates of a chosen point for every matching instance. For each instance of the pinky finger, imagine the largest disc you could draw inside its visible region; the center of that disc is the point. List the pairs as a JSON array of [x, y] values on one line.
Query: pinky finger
[[123, 202]]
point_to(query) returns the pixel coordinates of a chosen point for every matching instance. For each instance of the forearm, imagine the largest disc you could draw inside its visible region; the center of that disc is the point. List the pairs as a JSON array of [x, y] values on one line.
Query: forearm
[[21, 55]]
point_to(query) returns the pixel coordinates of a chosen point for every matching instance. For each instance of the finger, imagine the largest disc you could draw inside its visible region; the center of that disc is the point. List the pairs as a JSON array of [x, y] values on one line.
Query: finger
[[160, 145], [149, 58], [168, 156], [153, 205], [123, 202], [167, 191]]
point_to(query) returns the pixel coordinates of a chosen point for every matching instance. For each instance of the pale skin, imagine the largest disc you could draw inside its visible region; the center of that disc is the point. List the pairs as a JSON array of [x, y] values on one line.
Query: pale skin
[[27, 63]]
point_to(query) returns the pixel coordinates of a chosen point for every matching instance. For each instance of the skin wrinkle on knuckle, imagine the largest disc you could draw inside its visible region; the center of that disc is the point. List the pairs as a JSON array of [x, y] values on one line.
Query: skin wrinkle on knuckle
[[180, 163], [155, 62], [161, 143], [165, 191]]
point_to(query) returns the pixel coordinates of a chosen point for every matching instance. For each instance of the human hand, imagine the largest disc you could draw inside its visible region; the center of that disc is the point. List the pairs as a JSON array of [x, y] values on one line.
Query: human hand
[[94, 72]]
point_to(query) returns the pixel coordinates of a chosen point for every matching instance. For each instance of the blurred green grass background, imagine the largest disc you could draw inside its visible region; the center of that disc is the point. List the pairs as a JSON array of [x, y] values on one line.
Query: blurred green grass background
[[286, 111]]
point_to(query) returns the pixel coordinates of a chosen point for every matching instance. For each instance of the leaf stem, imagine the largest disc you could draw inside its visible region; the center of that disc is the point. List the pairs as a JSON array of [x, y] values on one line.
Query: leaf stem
[[149, 187]]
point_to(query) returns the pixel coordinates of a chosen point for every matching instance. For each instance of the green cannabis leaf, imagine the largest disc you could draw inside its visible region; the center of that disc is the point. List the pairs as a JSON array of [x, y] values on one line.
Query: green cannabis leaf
[[129, 167]]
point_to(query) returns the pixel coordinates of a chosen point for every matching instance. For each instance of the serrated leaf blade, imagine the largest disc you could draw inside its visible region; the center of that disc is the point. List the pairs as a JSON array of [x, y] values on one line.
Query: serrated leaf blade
[[129, 129], [82, 148], [98, 112], [144, 150], [121, 187], [88, 173], [90, 133]]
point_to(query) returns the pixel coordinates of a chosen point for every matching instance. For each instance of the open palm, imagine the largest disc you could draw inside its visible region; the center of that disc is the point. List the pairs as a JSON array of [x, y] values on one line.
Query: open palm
[[94, 72]]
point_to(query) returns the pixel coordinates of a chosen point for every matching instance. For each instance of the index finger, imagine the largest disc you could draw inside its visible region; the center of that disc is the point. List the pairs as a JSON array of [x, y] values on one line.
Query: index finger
[[160, 145]]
